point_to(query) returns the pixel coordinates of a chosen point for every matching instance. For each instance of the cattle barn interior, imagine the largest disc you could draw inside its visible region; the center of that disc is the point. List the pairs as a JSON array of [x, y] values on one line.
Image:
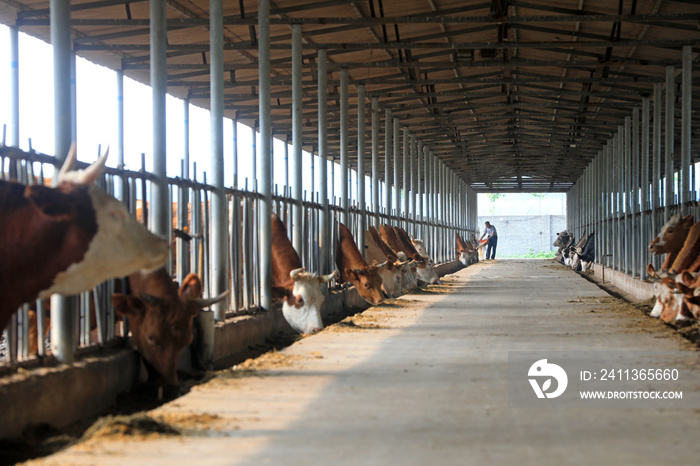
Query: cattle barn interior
[[429, 102]]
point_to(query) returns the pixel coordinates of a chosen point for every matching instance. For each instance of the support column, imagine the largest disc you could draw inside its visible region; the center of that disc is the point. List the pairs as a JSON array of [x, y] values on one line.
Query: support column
[[406, 176], [668, 171], [397, 167], [388, 147], [324, 217], [645, 236], [265, 203], [219, 227], [297, 143], [361, 168], [63, 331], [344, 178], [686, 119], [375, 160], [14, 94], [159, 87]]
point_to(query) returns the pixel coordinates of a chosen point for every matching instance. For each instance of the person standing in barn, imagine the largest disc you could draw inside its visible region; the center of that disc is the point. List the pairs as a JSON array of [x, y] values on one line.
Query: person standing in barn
[[492, 237]]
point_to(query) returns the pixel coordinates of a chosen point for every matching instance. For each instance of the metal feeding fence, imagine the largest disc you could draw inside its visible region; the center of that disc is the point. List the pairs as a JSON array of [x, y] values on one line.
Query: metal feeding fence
[[190, 231]]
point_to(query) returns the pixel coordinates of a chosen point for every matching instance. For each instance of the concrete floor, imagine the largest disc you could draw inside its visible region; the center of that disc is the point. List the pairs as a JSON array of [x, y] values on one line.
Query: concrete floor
[[427, 385]]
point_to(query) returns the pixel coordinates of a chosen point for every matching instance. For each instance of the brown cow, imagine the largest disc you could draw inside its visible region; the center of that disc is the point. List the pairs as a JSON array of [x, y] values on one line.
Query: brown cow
[[67, 239], [391, 271], [160, 317], [355, 270], [671, 238], [299, 290]]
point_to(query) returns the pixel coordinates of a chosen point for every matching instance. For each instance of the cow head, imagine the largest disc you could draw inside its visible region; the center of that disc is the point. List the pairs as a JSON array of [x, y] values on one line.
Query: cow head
[[427, 273], [408, 272], [562, 240], [367, 282], [302, 307], [120, 246], [672, 235], [162, 325], [390, 272]]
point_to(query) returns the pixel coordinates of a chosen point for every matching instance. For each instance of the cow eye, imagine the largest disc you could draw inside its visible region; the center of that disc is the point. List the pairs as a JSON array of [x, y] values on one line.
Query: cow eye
[[150, 339], [366, 285]]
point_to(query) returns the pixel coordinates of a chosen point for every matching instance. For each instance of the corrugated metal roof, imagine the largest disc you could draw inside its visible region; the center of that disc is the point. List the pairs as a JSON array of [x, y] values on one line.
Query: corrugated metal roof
[[512, 95]]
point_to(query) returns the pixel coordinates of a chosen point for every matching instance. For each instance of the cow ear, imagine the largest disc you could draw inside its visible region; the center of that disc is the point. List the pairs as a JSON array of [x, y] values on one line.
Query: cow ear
[[389, 265], [50, 201], [127, 305], [280, 292], [191, 287]]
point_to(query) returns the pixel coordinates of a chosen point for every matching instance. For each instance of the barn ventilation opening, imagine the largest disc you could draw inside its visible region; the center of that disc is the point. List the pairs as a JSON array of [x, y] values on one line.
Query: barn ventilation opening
[[527, 223]]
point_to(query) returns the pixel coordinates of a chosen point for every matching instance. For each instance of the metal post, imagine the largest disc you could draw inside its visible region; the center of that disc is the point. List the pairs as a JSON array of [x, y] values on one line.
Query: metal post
[[670, 182], [344, 178], [297, 141], [406, 176], [636, 226], [265, 162], [419, 191], [62, 332], [159, 87], [626, 185], [14, 93], [397, 167], [375, 160], [324, 217], [656, 165], [361, 167], [219, 227], [120, 132], [412, 169], [686, 120], [388, 145], [234, 162], [254, 158], [644, 232]]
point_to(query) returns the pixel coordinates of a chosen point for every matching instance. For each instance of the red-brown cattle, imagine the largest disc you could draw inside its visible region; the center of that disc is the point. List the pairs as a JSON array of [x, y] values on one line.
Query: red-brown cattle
[[671, 238], [67, 239], [299, 291], [353, 268], [160, 317]]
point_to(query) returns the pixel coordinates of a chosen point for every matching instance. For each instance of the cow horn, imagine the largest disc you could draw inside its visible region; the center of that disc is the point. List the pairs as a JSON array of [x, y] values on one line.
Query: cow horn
[[295, 273], [379, 266], [202, 303], [68, 163], [327, 278], [91, 173]]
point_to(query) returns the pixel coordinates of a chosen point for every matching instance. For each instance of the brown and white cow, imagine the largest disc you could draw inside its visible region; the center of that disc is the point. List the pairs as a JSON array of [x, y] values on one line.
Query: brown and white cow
[[160, 317], [388, 235], [465, 251], [353, 268], [299, 291], [390, 271], [67, 239], [670, 239], [428, 273], [407, 266]]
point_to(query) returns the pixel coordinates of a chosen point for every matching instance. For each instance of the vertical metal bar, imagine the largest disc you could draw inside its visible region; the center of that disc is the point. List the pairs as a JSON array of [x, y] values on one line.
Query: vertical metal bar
[[297, 140], [636, 226], [159, 87], [219, 234], [397, 167], [254, 159], [234, 162], [412, 169], [644, 232], [120, 133], [62, 335], [669, 117], [406, 176], [686, 120], [361, 168], [266, 163], [626, 185], [344, 172], [14, 94], [375, 160], [388, 147], [324, 243], [419, 191], [656, 166]]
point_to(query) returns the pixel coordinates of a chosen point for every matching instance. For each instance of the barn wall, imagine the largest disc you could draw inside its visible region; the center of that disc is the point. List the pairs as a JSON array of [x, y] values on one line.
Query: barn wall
[[517, 234]]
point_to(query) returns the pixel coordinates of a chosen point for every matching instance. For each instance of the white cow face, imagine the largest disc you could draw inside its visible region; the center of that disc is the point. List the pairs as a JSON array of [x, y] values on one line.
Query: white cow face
[[408, 272], [303, 309], [427, 273], [464, 258], [391, 278]]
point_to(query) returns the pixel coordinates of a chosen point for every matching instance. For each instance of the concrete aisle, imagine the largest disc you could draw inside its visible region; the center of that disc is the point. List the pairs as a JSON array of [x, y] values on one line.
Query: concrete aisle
[[423, 381]]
